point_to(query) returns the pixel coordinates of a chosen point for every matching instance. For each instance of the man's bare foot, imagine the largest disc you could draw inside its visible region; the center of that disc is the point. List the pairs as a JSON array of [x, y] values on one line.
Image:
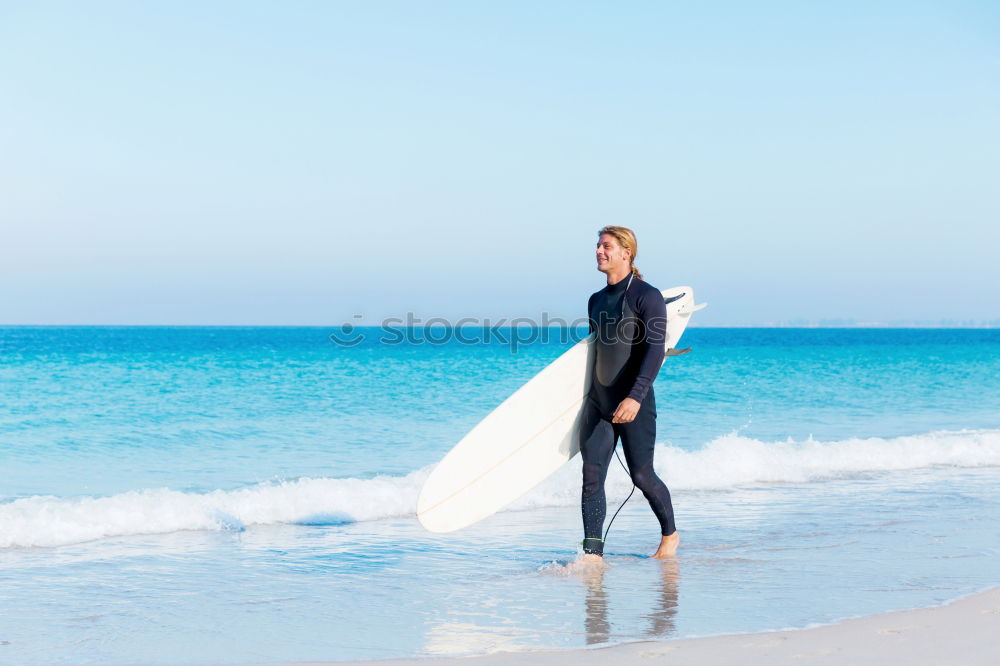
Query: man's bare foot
[[668, 546]]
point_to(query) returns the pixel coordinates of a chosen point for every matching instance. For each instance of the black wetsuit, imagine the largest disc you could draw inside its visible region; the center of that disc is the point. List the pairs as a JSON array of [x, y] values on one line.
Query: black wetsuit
[[630, 320]]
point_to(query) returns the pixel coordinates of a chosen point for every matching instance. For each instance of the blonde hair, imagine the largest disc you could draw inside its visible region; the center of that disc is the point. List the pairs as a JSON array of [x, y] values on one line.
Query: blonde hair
[[625, 238]]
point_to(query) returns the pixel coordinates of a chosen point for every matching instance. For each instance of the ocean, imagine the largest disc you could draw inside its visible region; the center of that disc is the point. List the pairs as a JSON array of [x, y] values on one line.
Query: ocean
[[228, 495]]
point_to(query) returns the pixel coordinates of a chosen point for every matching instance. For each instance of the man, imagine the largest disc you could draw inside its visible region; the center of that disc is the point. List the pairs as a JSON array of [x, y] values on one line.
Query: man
[[630, 322]]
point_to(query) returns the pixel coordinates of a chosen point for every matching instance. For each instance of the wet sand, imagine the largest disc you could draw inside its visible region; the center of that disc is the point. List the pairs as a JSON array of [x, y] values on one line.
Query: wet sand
[[966, 631]]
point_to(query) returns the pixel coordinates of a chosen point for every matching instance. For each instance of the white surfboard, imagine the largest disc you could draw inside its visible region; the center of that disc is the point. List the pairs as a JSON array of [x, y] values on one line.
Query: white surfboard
[[527, 438]]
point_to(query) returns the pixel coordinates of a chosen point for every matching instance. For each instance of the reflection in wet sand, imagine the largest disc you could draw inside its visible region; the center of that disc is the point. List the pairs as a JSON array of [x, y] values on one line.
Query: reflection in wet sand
[[662, 615], [647, 588], [595, 619], [662, 618]]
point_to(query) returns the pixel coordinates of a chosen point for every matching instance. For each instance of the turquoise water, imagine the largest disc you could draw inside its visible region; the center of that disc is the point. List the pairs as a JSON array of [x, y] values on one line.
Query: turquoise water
[[245, 495]]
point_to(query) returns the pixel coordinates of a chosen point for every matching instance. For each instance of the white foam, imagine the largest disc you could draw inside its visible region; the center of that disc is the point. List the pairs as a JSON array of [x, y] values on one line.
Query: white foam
[[727, 462], [732, 461], [51, 521]]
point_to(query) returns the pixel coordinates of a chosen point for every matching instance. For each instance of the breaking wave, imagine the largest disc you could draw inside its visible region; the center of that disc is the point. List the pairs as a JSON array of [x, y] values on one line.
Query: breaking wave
[[727, 462]]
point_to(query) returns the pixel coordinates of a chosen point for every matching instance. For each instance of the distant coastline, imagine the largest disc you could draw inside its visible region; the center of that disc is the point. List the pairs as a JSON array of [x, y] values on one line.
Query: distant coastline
[[792, 324], [838, 323]]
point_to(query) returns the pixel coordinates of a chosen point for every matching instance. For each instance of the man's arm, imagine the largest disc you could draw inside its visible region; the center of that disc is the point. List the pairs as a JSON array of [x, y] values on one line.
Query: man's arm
[[652, 312]]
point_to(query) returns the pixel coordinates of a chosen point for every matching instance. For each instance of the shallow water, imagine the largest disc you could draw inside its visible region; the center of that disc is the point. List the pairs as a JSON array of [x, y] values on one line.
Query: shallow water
[[246, 495]]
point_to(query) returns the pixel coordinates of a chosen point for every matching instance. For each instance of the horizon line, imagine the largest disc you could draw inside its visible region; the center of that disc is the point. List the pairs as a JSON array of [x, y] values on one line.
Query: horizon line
[[985, 325]]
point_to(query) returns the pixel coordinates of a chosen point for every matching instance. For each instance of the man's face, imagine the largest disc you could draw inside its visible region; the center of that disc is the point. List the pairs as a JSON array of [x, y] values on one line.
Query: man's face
[[610, 255]]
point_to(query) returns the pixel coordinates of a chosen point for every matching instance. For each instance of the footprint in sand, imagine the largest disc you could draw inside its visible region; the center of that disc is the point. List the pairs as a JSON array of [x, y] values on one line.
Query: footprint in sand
[[774, 642], [655, 655], [819, 653]]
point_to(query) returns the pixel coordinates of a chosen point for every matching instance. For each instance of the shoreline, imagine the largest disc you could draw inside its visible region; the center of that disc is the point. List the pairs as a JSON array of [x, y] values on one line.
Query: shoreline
[[965, 630]]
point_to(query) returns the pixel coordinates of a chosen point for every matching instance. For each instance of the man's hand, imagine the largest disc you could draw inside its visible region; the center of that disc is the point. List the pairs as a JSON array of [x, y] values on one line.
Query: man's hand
[[626, 411]]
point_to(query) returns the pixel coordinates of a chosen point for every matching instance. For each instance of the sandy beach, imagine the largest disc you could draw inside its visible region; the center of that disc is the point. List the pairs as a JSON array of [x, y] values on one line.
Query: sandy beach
[[966, 631]]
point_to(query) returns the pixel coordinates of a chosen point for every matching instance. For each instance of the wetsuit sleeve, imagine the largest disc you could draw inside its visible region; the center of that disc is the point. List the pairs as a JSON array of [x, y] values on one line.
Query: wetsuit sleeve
[[652, 312]]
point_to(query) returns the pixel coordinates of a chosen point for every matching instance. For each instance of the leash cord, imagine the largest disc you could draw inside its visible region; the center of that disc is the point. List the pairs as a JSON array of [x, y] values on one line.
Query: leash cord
[[626, 499]]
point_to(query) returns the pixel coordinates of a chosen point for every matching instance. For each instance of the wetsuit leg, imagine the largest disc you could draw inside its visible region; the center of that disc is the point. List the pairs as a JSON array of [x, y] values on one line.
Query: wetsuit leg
[[638, 441], [597, 445]]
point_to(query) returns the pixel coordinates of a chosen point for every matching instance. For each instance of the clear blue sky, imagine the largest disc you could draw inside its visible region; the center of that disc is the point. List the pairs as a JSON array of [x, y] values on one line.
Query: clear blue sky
[[300, 162]]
